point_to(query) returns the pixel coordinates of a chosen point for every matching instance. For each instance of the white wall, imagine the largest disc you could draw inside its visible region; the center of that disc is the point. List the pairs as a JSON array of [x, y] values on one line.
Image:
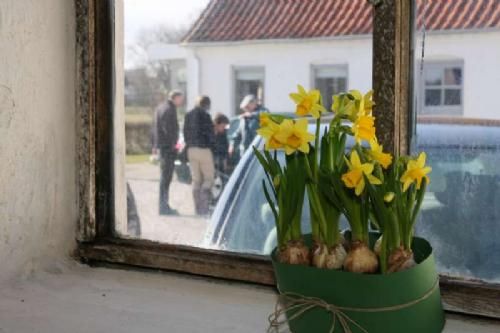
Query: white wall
[[37, 131], [286, 65], [480, 53]]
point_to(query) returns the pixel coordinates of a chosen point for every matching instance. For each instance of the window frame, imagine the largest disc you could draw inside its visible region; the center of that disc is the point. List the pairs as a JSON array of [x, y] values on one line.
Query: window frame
[[442, 109], [234, 78], [393, 41]]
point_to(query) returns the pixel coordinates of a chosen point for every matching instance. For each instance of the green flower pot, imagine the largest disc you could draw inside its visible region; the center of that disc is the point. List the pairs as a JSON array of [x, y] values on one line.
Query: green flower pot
[[402, 302]]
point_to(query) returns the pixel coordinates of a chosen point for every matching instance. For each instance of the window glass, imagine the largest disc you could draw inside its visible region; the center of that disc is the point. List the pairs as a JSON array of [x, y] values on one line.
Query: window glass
[[249, 81], [461, 211], [202, 186], [442, 88], [330, 80]]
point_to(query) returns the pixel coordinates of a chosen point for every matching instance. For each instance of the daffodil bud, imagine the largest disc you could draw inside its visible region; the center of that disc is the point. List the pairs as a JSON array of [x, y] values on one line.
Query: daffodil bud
[[388, 197], [276, 181]]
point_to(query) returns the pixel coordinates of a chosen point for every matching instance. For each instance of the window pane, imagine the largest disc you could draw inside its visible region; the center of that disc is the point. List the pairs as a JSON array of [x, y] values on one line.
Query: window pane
[[452, 97], [248, 82], [453, 76], [432, 97], [433, 77], [461, 210], [330, 87], [210, 193]]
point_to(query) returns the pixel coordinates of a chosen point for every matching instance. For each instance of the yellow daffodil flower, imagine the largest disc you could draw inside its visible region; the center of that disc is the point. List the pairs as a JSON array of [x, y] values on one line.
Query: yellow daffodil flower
[[269, 133], [308, 102], [415, 172], [364, 103], [376, 153], [342, 105], [264, 119], [364, 128], [354, 177], [294, 136]]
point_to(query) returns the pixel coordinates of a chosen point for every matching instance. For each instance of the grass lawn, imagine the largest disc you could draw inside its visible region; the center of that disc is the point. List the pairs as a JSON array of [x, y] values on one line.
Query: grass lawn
[[132, 159], [136, 118]]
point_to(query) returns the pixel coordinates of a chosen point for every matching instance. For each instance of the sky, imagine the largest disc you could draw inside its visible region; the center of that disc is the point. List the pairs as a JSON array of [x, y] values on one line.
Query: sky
[[144, 14]]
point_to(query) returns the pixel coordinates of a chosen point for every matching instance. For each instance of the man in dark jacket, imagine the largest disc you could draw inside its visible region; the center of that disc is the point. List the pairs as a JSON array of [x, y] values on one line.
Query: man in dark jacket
[[165, 136], [199, 137]]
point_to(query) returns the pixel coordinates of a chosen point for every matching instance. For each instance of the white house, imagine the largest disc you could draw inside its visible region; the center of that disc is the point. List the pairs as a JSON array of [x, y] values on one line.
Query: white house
[[267, 47]]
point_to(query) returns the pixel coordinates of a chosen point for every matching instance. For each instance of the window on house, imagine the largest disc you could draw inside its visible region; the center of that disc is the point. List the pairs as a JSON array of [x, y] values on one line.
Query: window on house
[[330, 80], [442, 88], [248, 81], [461, 209]]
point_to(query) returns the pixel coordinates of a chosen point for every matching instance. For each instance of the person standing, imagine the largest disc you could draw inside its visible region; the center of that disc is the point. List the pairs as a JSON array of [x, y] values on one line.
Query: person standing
[[199, 138], [221, 145], [165, 136], [249, 123]]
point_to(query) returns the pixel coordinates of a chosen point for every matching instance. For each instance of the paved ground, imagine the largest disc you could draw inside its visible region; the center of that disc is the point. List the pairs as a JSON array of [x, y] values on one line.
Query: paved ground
[[186, 229]]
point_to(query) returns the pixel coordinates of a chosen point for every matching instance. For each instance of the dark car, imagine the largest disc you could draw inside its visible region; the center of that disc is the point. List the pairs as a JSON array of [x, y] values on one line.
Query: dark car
[[464, 191]]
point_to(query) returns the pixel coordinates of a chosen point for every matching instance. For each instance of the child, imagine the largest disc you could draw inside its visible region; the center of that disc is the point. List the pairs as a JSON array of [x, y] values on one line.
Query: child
[[221, 146]]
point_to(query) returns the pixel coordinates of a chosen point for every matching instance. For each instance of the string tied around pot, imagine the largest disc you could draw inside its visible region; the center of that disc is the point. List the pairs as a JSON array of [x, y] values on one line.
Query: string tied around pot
[[300, 304]]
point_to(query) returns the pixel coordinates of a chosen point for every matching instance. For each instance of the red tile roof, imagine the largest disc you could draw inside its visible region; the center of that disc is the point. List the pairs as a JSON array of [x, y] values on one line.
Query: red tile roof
[[236, 20]]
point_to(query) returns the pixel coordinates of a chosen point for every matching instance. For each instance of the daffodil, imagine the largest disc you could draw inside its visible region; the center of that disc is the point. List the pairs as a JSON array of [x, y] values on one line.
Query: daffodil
[[364, 128], [415, 172], [294, 136], [376, 153], [269, 133], [308, 102], [354, 177], [264, 119], [364, 103]]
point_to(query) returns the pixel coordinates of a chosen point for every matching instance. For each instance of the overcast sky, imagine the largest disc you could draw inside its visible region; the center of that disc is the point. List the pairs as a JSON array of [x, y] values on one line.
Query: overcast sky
[[143, 14]]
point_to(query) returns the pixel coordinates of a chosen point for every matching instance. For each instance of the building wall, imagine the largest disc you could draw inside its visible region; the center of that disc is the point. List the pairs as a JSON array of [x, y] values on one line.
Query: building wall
[[286, 65], [289, 62], [37, 131]]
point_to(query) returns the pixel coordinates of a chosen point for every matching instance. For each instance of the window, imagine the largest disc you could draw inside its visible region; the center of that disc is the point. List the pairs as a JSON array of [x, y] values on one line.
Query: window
[[248, 81], [330, 80], [118, 188], [442, 88], [461, 207]]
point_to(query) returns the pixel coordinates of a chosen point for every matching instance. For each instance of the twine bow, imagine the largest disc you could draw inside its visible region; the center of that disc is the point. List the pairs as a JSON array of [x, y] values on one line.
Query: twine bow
[[302, 304]]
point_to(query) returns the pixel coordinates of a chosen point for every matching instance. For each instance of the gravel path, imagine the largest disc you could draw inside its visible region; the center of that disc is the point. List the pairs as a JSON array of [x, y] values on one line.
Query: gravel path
[[186, 229]]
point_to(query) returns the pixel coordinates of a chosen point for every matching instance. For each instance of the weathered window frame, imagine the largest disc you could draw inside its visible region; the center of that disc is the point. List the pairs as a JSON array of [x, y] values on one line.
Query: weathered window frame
[[392, 81]]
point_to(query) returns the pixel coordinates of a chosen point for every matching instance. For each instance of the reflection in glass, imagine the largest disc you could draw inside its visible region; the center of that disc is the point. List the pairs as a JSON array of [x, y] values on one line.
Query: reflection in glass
[[452, 76], [432, 97], [452, 97], [461, 210], [433, 77]]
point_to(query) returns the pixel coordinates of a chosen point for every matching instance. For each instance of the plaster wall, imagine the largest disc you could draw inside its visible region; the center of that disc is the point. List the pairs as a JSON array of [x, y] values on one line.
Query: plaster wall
[[37, 133]]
